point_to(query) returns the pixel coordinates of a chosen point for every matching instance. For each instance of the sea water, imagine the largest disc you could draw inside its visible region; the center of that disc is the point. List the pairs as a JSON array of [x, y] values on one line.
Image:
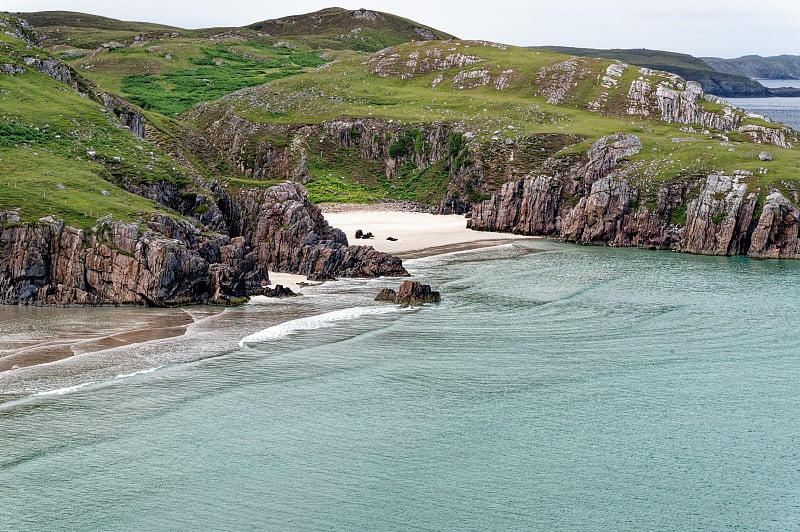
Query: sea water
[[779, 109], [554, 387]]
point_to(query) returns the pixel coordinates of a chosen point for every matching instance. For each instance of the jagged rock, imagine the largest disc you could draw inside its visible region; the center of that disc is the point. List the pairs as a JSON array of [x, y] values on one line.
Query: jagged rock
[[411, 293], [776, 234], [55, 69], [713, 215], [288, 233], [425, 34], [389, 62], [718, 220], [171, 263], [764, 156], [558, 81], [766, 135], [131, 117], [8, 68], [675, 100], [279, 291]]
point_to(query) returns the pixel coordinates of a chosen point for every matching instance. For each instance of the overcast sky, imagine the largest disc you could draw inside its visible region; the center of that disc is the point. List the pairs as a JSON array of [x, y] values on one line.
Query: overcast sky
[[722, 28]]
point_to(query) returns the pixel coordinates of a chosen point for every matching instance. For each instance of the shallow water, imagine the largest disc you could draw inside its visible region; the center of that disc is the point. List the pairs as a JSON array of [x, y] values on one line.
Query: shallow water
[[554, 387]]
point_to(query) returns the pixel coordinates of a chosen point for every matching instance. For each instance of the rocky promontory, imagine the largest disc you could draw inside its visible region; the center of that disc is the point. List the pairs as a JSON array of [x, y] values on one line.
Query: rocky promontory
[[602, 202], [168, 261]]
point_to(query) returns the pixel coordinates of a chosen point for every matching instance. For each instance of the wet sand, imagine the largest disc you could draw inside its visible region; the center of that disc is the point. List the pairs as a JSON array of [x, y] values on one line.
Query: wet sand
[[164, 323]]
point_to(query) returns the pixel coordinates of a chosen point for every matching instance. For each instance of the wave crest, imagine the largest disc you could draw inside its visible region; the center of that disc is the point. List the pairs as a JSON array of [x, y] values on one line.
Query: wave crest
[[320, 321]]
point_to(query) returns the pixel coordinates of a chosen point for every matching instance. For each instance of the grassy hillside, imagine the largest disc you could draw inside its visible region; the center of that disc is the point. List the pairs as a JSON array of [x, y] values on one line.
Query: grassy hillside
[[168, 70], [412, 96], [714, 81], [511, 110], [85, 31], [63, 155]]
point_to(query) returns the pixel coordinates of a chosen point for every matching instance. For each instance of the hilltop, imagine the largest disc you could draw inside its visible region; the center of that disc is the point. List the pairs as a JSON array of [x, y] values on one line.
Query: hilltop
[[757, 67], [340, 29], [163, 153]]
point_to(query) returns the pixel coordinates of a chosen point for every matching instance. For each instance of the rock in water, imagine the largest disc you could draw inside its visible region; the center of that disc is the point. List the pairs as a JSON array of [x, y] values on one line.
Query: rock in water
[[279, 291], [411, 293]]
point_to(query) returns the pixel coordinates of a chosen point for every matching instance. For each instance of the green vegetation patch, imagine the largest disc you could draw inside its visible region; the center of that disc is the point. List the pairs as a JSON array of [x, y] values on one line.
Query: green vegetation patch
[[219, 70]]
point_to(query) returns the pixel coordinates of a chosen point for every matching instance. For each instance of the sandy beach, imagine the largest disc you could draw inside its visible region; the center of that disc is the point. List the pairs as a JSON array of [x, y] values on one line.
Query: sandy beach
[[418, 234], [415, 234]]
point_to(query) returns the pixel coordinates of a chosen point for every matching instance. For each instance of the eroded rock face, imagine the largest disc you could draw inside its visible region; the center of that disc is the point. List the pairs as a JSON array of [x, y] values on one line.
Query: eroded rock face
[[54, 264], [718, 220], [675, 100], [169, 262], [596, 203], [558, 81], [287, 233], [776, 234]]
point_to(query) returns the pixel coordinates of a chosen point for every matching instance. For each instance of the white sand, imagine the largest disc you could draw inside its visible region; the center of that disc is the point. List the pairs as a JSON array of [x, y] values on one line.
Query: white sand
[[415, 231], [289, 280]]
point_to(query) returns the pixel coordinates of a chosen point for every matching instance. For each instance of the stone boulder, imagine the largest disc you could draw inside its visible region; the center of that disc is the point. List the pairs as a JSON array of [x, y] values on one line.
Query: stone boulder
[[411, 293]]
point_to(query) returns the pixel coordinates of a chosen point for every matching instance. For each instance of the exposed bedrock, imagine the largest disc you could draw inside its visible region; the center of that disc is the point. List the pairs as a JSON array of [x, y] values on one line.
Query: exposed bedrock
[[599, 202], [165, 261]]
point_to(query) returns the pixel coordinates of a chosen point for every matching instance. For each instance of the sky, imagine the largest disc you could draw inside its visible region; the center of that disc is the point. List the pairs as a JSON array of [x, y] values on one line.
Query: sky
[[719, 28]]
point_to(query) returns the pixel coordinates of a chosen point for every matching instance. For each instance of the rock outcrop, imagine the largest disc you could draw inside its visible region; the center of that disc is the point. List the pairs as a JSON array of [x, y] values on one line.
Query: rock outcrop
[[598, 202], [410, 294], [167, 262], [288, 233]]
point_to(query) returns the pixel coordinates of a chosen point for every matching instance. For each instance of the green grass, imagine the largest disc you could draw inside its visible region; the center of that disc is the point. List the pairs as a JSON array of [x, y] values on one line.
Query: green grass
[[47, 132], [337, 29], [48, 185], [176, 74], [348, 88]]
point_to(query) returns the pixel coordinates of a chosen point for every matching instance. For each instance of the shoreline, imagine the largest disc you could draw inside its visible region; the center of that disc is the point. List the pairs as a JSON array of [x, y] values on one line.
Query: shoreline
[[168, 323], [418, 234]]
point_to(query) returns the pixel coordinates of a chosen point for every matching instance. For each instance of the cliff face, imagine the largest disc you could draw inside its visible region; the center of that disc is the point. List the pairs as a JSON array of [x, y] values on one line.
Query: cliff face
[[169, 262], [288, 233], [598, 202]]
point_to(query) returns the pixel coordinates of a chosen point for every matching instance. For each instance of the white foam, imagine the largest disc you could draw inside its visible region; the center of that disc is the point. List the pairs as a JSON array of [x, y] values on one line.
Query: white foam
[[64, 391], [329, 319], [135, 373]]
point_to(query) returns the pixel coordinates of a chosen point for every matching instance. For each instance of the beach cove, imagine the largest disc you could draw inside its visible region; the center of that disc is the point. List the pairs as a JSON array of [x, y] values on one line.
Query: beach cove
[[33, 336]]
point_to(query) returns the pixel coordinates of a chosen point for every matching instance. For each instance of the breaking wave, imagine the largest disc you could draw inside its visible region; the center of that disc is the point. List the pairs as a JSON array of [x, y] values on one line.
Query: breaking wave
[[329, 319]]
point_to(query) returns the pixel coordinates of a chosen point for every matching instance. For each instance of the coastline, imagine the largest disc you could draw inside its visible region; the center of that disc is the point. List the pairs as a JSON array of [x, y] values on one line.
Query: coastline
[[418, 234]]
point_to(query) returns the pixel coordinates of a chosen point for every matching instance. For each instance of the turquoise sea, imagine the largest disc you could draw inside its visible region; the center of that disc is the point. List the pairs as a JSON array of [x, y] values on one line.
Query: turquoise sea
[[554, 387]]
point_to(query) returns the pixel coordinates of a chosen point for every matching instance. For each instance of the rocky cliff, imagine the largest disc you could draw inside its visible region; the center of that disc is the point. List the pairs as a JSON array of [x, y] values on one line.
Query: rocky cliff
[[600, 201], [170, 262]]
